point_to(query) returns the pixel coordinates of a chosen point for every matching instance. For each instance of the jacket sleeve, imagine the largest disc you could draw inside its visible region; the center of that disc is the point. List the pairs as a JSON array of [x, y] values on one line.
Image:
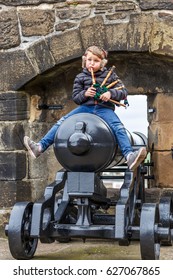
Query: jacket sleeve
[[118, 94], [78, 94]]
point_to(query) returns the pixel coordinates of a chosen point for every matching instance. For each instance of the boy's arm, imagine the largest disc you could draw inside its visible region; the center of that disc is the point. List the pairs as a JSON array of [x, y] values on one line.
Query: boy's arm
[[78, 94]]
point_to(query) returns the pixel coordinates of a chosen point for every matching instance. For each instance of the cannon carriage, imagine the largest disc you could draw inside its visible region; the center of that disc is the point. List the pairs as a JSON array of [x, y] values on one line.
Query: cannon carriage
[[77, 204]]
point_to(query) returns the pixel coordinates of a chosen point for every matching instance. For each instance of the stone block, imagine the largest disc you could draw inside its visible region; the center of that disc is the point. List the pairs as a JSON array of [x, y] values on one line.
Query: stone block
[[44, 168], [17, 70], [29, 2], [116, 36], [37, 188], [36, 22], [130, 36], [65, 46], [73, 12], [38, 169], [162, 36], [163, 107], [11, 136], [13, 106], [36, 129], [92, 32], [13, 166], [161, 136], [163, 174], [9, 30], [156, 4], [65, 25], [75, 2], [138, 32], [4, 219], [40, 56], [14, 191]]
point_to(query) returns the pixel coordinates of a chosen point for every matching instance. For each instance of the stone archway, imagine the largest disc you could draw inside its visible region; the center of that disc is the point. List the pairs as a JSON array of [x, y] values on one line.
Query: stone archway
[[142, 52]]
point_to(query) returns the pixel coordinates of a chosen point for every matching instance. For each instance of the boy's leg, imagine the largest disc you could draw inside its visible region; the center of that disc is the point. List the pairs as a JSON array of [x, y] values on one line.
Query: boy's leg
[[133, 158], [35, 149], [117, 128]]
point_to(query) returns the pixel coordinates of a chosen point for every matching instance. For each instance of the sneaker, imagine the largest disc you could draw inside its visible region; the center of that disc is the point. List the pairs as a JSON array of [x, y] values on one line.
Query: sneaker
[[33, 148], [135, 158]]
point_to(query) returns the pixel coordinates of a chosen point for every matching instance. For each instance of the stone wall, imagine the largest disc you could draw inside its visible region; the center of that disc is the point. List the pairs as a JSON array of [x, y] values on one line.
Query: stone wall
[[41, 43]]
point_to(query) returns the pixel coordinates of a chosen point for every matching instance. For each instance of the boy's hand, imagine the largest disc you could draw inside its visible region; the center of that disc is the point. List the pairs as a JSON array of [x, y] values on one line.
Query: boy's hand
[[91, 91], [105, 96]]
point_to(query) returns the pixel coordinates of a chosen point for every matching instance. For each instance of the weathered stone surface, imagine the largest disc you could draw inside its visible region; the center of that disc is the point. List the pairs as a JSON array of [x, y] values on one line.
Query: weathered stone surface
[[162, 172], [14, 191], [35, 22], [12, 134], [40, 56], [163, 108], [161, 136], [9, 30], [161, 121], [64, 26], [116, 36], [125, 6], [104, 6], [65, 46], [138, 32], [76, 2], [29, 2], [114, 8], [37, 188], [92, 32], [13, 78], [156, 4], [162, 36], [130, 36], [13, 166], [117, 16], [74, 12], [37, 129], [38, 169], [46, 166], [13, 106]]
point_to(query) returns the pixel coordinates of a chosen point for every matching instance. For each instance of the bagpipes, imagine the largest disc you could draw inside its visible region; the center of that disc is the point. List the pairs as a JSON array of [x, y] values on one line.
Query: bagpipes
[[100, 89]]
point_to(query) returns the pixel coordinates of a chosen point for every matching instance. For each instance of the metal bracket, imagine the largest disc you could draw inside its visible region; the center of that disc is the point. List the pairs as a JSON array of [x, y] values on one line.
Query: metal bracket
[[172, 151], [151, 110], [49, 107]]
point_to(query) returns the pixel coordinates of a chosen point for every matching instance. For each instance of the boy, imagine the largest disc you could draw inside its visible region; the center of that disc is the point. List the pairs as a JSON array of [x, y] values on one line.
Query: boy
[[84, 94]]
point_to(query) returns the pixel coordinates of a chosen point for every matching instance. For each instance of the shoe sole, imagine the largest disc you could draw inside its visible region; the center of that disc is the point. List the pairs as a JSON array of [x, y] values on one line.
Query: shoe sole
[[141, 156], [27, 146]]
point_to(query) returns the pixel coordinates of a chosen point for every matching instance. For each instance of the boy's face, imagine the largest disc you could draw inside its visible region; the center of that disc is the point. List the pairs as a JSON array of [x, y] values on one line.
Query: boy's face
[[93, 61]]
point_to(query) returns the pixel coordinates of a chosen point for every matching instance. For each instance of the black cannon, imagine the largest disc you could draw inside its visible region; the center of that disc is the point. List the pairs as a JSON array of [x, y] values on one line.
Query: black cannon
[[76, 204]]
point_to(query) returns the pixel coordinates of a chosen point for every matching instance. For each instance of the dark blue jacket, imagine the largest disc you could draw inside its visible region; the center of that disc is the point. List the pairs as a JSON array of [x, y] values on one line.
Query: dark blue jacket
[[84, 80]]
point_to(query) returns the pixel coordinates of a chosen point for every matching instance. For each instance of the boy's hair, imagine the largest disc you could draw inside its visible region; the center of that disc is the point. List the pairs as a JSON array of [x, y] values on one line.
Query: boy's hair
[[101, 53]]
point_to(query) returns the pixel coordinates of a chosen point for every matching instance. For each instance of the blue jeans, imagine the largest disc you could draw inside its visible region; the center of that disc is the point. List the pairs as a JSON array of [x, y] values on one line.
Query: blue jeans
[[108, 115]]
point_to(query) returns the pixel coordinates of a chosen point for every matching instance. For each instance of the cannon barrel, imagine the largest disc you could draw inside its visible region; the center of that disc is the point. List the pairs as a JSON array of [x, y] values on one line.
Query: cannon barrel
[[85, 143]]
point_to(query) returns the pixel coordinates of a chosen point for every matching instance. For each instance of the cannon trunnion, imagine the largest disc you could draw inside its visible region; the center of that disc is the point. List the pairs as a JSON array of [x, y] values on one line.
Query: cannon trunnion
[[77, 203]]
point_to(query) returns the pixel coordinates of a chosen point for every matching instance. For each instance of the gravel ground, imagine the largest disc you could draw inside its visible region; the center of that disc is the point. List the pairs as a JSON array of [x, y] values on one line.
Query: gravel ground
[[90, 250]]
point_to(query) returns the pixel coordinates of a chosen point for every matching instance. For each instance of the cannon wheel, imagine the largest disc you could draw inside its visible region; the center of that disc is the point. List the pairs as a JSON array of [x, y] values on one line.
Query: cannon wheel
[[21, 245], [149, 246], [165, 213]]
